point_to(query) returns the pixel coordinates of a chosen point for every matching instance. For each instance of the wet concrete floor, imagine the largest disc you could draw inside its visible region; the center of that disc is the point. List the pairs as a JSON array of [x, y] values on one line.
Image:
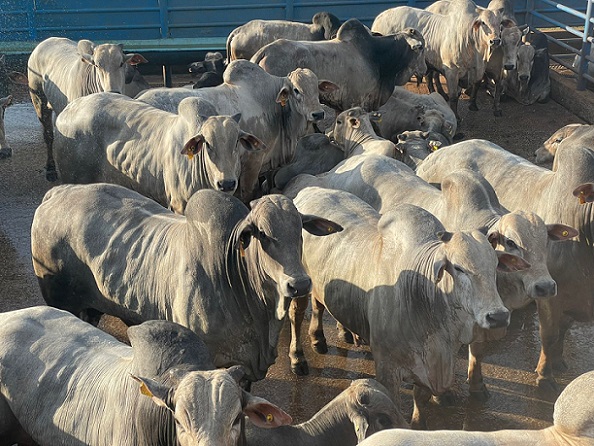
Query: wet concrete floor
[[515, 401]]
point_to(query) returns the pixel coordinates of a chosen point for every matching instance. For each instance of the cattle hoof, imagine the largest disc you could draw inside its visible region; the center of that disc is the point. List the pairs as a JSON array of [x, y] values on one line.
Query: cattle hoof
[[547, 385], [497, 113], [473, 107], [481, 395], [51, 175], [320, 346], [5, 153], [346, 336], [300, 368]]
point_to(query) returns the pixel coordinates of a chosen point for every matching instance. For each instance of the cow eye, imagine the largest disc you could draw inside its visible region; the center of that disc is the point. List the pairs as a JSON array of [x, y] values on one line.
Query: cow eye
[[122, 64], [511, 244], [339, 122], [296, 91], [460, 270]]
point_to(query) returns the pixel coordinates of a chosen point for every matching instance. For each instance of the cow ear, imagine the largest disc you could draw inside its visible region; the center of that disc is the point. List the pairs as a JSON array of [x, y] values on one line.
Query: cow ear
[[160, 394], [250, 142], [236, 117], [319, 226], [16, 77], [558, 232], [87, 58], [327, 86], [493, 238], [509, 263], [444, 236], [134, 59], [263, 413], [283, 96], [236, 372], [193, 146], [584, 192]]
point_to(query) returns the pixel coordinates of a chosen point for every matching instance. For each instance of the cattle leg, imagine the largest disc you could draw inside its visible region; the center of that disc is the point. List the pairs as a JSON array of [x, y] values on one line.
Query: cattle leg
[[316, 327], [473, 94], [452, 80], [476, 353], [296, 314], [551, 338], [439, 86], [44, 114], [497, 98], [344, 334], [421, 396]]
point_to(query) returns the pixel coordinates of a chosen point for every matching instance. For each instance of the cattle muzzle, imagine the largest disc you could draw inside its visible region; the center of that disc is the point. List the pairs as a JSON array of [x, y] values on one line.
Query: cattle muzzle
[[298, 287], [498, 319], [545, 289], [227, 185], [524, 77], [318, 116], [509, 67]]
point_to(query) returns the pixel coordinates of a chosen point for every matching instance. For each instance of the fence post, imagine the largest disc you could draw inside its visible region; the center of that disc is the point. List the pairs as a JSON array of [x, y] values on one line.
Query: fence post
[[585, 51], [529, 16]]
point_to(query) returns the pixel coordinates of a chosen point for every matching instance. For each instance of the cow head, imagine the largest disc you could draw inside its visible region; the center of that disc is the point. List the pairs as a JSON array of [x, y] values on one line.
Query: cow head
[[464, 267], [525, 235], [302, 90], [208, 406], [488, 25], [414, 146], [219, 146], [526, 55], [546, 153], [109, 62], [270, 240], [511, 38], [326, 23]]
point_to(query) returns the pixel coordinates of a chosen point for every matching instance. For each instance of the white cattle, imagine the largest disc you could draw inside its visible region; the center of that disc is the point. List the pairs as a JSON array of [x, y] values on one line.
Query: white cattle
[[64, 382]]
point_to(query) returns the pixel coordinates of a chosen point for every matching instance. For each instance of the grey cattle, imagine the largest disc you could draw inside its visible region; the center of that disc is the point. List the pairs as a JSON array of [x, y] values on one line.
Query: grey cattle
[[450, 39], [61, 70], [5, 150], [530, 82], [521, 185], [416, 145], [314, 154], [110, 138], [572, 425], [545, 154], [360, 410], [275, 109], [243, 42], [223, 271], [65, 382], [366, 67], [505, 8], [465, 202], [400, 282], [354, 132], [433, 101]]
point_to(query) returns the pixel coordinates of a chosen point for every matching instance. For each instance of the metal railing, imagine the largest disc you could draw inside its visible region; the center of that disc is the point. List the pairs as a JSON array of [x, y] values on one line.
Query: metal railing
[[586, 36]]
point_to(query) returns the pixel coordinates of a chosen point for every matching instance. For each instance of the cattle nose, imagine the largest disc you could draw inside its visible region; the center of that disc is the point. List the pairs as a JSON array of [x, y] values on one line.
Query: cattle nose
[[509, 67], [298, 287], [227, 185], [545, 289], [499, 319], [524, 77], [318, 116]]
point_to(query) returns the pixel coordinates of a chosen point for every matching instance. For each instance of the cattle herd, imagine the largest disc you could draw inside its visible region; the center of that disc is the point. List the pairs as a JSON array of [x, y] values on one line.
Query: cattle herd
[[296, 170]]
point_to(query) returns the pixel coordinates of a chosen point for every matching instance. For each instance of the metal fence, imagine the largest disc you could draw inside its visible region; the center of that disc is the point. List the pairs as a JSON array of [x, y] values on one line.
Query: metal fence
[[578, 23]]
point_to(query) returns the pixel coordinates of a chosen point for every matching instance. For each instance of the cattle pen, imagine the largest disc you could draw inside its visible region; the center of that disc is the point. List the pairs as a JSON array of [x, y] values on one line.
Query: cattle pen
[[172, 33]]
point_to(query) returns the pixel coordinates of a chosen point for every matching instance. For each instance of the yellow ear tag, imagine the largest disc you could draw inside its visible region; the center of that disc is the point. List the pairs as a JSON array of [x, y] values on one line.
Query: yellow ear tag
[[330, 229], [145, 390], [269, 418], [283, 102], [190, 156], [565, 233], [582, 199], [434, 147]]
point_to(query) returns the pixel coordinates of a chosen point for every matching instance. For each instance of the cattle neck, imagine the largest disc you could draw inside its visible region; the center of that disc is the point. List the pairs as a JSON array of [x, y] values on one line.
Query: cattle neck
[[92, 82], [355, 140]]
